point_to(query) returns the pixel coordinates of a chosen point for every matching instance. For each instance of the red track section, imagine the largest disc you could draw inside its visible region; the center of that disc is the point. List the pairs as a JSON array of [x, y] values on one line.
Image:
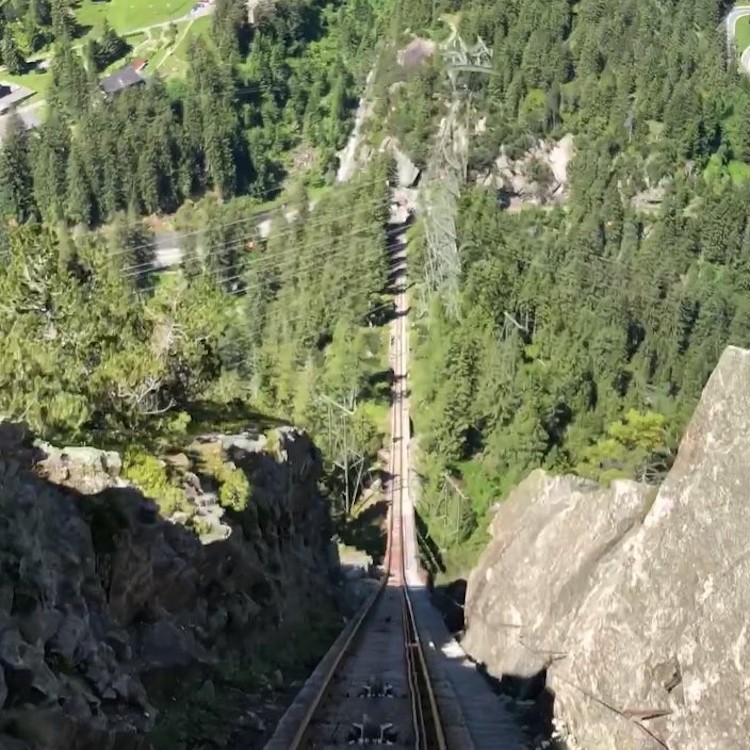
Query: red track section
[[374, 680]]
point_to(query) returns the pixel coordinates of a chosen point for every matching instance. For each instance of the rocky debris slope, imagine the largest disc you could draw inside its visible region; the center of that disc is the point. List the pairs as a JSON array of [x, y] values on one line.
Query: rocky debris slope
[[101, 597], [632, 603], [538, 177]]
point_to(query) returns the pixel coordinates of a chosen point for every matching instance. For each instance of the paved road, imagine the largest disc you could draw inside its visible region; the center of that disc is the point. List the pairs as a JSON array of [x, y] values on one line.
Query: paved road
[[740, 11], [205, 11], [178, 41]]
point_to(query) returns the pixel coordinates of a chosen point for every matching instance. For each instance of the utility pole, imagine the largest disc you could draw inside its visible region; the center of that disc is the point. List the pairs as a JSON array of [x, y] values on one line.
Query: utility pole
[[345, 456], [452, 510], [459, 501]]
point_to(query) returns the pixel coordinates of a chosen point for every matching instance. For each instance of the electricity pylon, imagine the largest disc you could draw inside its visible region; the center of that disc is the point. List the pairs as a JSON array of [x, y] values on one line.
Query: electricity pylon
[[447, 168], [345, 455]]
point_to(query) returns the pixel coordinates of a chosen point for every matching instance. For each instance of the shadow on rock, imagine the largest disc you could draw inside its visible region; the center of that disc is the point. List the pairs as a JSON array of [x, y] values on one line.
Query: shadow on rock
[[105, 604]]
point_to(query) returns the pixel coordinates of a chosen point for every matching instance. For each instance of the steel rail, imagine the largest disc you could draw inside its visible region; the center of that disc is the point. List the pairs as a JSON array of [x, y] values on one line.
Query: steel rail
[[397, 506], [299, 737], [304, 726], [434, 739], [428, 730]]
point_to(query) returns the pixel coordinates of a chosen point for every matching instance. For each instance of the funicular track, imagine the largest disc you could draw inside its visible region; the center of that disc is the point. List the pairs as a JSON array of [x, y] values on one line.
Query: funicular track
[[373, 687]]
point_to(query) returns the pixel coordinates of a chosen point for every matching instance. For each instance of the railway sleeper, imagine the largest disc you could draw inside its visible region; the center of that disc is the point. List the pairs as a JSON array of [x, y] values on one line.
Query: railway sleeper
[[370, 733], [376, 687]]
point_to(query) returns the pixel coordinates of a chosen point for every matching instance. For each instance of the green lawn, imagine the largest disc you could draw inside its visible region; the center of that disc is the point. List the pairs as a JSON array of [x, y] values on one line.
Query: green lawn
[[175, 64], [742, 34], [128, 15], [38, 82]]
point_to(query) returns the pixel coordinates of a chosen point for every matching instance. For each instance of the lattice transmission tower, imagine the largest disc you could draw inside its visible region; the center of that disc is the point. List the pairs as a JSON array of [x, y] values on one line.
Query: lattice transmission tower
[[446, 171], [346, 456]]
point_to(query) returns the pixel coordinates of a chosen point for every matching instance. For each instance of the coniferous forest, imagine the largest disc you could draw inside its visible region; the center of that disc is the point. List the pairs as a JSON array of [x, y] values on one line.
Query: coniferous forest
[[96, 345], [586, 328]]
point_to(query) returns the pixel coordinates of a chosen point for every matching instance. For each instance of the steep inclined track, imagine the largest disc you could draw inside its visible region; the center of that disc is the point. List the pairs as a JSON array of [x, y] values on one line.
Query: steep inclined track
[[374, 684], [395, 675]]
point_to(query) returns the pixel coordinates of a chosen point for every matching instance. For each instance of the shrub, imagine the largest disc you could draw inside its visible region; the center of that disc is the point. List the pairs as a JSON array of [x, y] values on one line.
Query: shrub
[[234, 489], [150, 476]]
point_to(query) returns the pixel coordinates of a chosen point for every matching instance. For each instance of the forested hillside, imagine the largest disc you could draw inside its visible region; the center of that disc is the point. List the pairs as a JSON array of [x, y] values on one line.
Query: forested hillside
[[586, 329], [251, 96], [247, 328], [96, 345], [586, 332]]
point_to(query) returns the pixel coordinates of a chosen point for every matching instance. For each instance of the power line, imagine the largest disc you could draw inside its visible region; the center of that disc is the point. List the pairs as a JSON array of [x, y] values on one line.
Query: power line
[[294, 270], [286, 266], [262, 214], [253, 217], [274, 263], [235, 243], [568, 274], [562, 274]]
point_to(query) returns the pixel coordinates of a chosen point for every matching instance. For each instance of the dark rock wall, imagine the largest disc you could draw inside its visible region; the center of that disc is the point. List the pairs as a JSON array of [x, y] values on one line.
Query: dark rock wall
[[100, 597]]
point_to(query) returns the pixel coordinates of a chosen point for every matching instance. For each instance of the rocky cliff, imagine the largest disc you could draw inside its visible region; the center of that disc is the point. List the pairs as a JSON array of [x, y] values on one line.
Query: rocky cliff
[[632, 603], [101, 597]]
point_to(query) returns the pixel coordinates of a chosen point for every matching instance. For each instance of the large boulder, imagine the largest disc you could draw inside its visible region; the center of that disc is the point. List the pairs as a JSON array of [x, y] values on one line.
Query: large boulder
[[407, 172], [636, 609], [538, 570]]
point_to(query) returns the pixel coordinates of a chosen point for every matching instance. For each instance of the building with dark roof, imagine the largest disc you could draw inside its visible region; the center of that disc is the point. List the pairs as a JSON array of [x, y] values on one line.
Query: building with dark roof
[[30, 118], [11, 95], [121, 79]]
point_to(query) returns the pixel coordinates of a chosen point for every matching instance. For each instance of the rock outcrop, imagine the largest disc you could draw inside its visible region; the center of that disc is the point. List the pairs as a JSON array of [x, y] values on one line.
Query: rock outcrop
[[539, 177], [101, 598], [632, 603]]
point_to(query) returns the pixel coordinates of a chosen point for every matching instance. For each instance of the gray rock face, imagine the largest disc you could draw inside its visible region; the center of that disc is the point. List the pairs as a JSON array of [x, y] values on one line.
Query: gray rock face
[[525, 618], [407, 170], [638, 609], [98, 595]]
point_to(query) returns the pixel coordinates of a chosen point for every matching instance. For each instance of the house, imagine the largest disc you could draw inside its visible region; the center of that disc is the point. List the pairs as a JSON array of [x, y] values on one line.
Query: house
[[199, 9], [139, 65], [12, 95], [121, 79]]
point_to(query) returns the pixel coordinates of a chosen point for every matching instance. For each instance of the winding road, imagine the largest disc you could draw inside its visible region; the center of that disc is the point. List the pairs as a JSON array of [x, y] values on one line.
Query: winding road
[[738, 12]]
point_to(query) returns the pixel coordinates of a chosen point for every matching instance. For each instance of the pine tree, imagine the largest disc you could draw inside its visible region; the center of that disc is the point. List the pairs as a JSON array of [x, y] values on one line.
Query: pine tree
[[11, 54], [16, 181], [80, 200]]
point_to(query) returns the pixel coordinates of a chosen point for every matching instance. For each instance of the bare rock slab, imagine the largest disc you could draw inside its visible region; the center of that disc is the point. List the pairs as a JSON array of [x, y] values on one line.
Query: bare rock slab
[[636, 604]]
